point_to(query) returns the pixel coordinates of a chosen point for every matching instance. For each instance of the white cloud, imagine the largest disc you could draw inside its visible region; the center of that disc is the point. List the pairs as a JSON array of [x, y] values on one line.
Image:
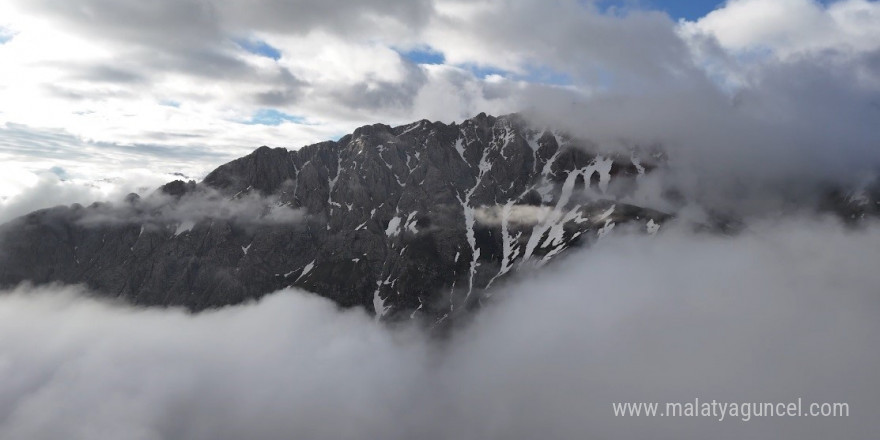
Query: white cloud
[[23, 191], [793, 27], [91, 85], [567, 36]]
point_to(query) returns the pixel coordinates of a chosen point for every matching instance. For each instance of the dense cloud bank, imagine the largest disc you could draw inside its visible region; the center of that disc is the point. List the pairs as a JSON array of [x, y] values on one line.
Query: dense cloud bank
[[796, 128], [785, 309]]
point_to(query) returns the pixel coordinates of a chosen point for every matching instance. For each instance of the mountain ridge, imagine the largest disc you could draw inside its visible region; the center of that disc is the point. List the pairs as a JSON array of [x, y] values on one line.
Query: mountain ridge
[[406, 221]]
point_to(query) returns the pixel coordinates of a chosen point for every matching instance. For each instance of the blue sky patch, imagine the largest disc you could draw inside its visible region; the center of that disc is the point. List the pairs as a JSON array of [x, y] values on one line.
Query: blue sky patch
[[538, 74], [687, 9], [270, 116], [5, 35], [546, 75], [60, 172], [423, 56], [259, 47], [484, 71], [677, 9]]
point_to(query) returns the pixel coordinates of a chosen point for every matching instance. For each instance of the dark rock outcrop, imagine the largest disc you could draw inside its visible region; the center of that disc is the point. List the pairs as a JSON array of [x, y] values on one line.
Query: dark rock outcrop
[[412, 220]]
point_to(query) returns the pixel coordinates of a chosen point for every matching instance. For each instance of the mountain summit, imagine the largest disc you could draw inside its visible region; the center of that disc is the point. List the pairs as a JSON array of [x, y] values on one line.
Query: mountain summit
[[422, 219]]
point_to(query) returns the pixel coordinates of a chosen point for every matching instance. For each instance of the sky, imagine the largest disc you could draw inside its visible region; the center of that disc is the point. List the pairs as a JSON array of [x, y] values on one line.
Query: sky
[[99, 98], [677, 9]]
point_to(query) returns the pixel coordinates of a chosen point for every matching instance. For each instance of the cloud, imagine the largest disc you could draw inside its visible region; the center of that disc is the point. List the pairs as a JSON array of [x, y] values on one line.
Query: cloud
[[524, 215], [793, 27], [356, 19], [751, 95], [194, 206], [568, 36], [785, 310], [746, 133], [202, 377], [24, 191], [105, 71]]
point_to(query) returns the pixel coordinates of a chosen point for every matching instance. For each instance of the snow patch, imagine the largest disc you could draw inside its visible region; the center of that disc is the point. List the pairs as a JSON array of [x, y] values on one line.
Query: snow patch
[[559, 141], [308, 268], [184, 226], [411, 223], [509, 242], [332, 182], [379, 303], [393, 227], [859, 197], [638, 164], [604, 230], [605, 214], [533, 142], [459, 146], [411, 128]]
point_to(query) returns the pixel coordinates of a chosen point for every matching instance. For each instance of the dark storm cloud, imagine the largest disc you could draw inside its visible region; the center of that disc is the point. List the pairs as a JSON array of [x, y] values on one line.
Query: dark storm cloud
[[783, 311]]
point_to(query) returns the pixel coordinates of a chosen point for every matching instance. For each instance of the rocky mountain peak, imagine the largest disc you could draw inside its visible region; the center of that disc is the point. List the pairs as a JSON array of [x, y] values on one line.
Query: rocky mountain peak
[[423, 219]]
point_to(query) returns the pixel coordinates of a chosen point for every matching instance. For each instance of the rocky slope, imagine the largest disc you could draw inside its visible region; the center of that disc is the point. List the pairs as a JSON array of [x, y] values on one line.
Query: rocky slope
[[415, 220]]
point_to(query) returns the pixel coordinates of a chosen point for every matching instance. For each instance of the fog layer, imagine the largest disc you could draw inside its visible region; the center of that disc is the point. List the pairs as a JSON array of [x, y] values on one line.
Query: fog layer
[[785, 310]]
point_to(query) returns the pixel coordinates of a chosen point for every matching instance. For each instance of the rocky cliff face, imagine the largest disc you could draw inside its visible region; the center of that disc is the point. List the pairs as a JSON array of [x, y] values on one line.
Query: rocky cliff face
[[418, 220]]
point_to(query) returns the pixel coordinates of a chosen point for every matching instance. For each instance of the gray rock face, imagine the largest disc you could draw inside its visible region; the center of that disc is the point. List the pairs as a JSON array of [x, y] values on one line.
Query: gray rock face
[[416, 220]]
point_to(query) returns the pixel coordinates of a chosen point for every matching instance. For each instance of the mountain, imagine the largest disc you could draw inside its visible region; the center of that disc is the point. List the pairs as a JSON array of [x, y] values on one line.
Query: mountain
[[417, 220]]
